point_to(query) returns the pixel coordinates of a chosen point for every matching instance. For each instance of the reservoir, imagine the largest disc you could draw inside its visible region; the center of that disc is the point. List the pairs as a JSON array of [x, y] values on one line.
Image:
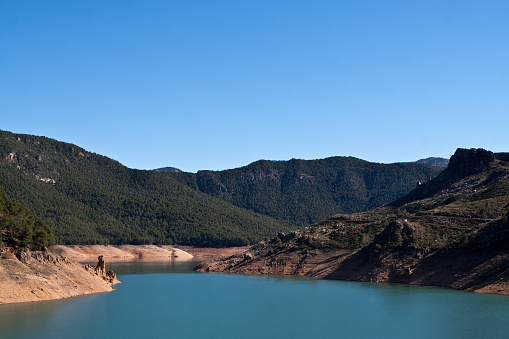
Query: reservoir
[[169, 300]]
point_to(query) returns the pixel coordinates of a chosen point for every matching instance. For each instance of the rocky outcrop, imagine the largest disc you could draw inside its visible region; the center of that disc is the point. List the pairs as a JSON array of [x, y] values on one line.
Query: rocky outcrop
[[44, 275], [476, 163], [100, 270], [469, 161]]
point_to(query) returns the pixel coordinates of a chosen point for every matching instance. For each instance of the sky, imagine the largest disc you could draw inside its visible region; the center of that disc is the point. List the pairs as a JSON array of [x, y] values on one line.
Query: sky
[[215, 84]]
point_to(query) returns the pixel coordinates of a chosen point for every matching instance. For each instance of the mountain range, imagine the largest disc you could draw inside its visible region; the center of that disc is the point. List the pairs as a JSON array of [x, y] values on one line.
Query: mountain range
[[91, 199], [301, 192]]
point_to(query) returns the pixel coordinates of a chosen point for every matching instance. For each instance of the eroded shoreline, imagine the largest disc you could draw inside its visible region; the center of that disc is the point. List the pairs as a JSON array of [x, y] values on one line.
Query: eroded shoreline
[[45, 275], [129, 253], [60, 273], [454, 271]]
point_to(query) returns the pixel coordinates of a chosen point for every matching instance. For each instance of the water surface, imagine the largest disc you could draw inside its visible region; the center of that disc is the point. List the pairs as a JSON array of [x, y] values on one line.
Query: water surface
[[169, 300]]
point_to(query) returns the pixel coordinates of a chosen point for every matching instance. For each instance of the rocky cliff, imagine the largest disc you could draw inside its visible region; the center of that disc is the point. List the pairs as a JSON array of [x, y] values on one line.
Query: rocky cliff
[[43, 275], [451, 231]]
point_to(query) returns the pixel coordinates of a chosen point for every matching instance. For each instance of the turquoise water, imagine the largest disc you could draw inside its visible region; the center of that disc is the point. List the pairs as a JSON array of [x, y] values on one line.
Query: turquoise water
[[171, 301]]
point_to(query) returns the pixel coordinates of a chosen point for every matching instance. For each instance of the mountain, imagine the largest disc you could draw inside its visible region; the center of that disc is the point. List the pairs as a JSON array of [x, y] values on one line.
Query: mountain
[[451, 231], [440, 162], [91, 199], [301, 192], [167, 169]]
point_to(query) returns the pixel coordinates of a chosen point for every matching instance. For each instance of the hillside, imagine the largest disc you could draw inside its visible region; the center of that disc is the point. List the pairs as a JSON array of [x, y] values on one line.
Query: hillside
[[90, 199], [20, 229], [43, 275], [28, 271], [452, 231], [302, 192]]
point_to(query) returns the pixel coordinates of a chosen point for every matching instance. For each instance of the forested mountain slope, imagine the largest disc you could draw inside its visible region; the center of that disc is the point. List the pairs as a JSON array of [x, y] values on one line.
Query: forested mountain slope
[[91, 199], [302, 192]]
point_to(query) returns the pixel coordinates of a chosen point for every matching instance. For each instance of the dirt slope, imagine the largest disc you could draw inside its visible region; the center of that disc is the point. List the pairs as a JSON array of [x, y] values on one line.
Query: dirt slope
[[47, 276], [111, 253]]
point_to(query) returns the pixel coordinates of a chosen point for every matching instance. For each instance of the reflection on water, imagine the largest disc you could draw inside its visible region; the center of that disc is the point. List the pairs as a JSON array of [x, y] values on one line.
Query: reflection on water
[[185, 304], [143, 267]]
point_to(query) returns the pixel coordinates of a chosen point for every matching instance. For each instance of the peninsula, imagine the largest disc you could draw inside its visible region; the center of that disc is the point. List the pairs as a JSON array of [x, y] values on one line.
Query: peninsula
[[44, 275]]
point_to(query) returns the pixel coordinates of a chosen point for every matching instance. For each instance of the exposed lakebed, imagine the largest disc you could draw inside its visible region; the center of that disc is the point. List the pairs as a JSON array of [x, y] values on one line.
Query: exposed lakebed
[[169, 300]]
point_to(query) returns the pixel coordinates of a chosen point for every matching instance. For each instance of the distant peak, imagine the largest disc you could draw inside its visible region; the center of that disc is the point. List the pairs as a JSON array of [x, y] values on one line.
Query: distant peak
[[167, 169], [434, 161]]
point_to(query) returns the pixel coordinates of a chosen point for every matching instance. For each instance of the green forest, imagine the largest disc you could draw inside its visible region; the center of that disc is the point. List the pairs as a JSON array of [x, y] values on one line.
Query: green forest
[[20, 229], [302, 192], [91, 199]]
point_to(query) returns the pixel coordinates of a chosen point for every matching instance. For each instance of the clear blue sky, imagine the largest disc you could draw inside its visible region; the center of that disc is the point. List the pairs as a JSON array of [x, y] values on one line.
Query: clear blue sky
[[220, 84]]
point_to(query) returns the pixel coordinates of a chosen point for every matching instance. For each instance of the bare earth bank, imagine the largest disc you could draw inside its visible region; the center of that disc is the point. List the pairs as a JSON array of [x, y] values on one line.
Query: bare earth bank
[[113, 253], [480, 272], [36, 276], [89, 253], [57, 273]]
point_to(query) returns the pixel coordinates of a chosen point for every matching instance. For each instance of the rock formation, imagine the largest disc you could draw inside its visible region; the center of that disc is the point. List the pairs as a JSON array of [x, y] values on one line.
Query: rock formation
[[44, 275], [111, 277], [101, 266], [100, 270]]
